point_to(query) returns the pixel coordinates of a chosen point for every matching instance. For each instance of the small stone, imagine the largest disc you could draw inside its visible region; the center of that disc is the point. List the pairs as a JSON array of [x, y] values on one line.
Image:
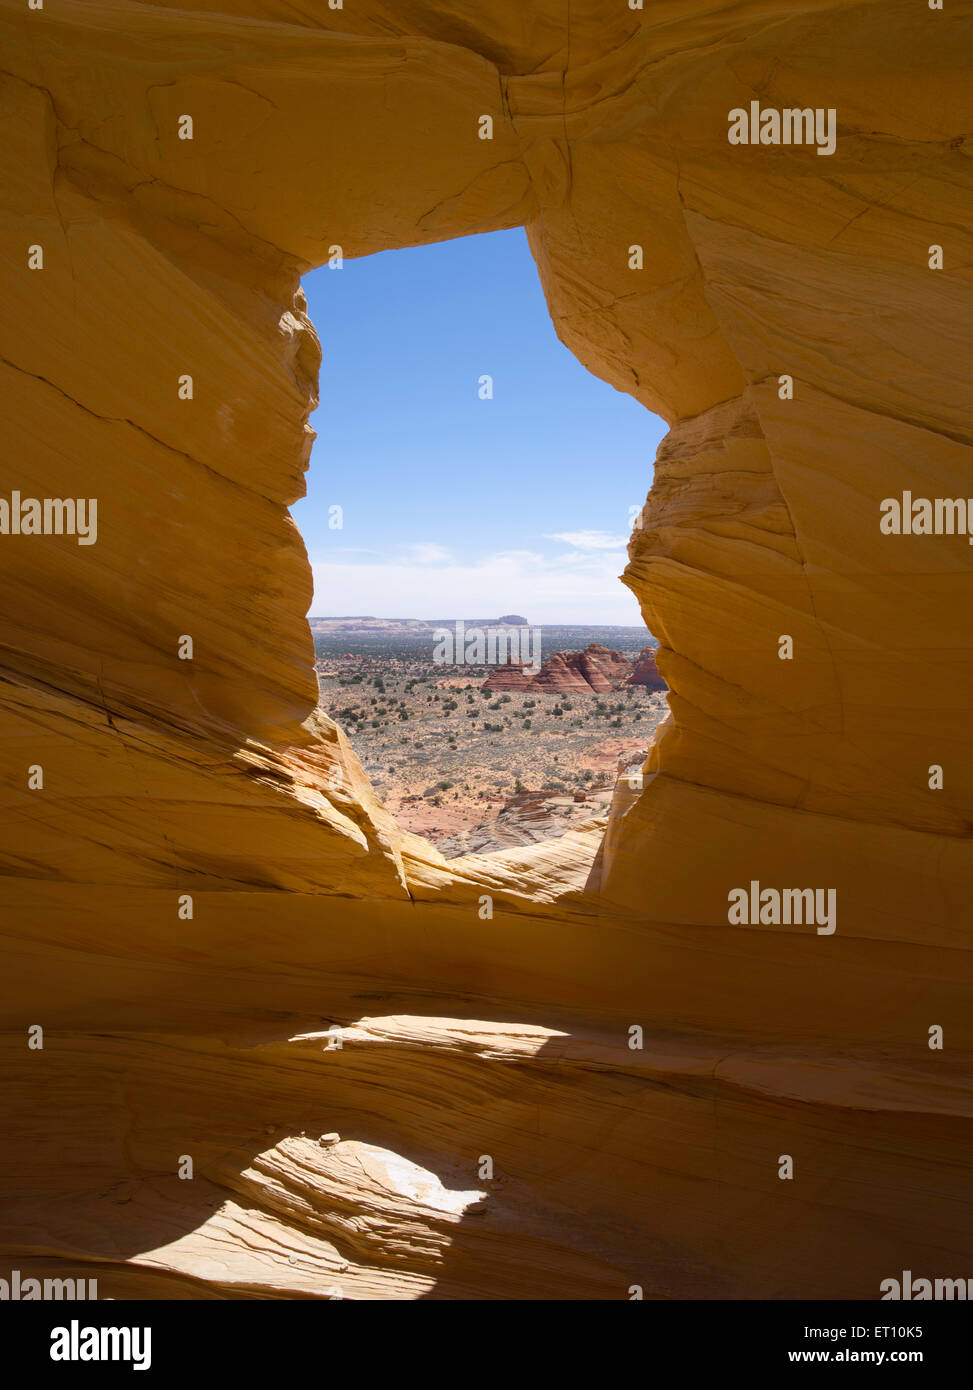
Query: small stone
[[332, 1138]]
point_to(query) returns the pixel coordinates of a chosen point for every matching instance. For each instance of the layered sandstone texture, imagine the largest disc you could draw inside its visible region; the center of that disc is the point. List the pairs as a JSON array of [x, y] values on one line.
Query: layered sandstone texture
[[559, 1071], [645, 671], [597, 668]]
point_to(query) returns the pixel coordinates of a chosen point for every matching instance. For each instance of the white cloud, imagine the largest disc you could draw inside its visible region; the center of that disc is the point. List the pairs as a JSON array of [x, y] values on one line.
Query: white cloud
[[575, 586], [424, 553], [590, 540]]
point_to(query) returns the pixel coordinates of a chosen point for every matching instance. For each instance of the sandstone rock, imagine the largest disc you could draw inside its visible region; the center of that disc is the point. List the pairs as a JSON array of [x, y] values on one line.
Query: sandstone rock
[[510, 676], [179, 1023], [596, 668], [561, 674], [646, 672], [602, 668], [527, 818]]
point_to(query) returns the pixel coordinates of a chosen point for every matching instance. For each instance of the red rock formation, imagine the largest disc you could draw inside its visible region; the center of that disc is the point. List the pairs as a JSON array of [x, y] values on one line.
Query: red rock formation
[[602, 667], [561, 674], [646, 672], [596, 668], [509, 677]]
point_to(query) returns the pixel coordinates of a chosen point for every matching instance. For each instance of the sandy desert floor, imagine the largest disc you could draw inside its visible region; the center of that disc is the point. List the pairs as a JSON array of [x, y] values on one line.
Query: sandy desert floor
[[449, 759]]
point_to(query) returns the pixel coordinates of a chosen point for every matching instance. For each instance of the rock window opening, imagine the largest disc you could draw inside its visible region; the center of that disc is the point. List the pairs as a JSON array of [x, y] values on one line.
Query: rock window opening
[[470, 495]]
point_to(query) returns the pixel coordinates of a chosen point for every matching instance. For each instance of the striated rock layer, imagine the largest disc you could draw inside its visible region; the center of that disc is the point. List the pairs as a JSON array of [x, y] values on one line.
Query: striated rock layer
[[646, 672], [510, 676], [596, 668], [204, 898]]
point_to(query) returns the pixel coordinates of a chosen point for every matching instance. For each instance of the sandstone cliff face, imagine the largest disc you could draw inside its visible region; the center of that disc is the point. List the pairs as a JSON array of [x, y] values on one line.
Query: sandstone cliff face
[[204, 888]]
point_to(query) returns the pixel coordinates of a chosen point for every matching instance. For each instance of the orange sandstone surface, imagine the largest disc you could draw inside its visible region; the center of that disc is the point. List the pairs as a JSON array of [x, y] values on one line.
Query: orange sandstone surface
[[231, 947]]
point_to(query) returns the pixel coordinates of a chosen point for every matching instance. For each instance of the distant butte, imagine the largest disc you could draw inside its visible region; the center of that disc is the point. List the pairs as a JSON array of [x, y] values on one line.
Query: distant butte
[[597, 668], [646, 672]]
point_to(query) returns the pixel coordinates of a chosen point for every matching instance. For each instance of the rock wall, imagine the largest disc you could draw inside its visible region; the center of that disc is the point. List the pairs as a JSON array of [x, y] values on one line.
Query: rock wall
[[203, 899]]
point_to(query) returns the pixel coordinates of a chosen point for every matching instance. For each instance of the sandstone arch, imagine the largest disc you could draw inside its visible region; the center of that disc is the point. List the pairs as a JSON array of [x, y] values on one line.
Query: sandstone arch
[[311, 907]]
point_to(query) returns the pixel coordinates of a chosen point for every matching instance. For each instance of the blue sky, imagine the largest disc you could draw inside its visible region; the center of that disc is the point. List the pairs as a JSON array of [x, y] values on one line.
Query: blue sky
[[451, 505]]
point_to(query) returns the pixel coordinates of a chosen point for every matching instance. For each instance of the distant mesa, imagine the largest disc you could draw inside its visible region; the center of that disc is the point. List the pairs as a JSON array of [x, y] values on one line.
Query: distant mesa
[[364, 625], [597, 668], [407, 626], [509, 620]]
